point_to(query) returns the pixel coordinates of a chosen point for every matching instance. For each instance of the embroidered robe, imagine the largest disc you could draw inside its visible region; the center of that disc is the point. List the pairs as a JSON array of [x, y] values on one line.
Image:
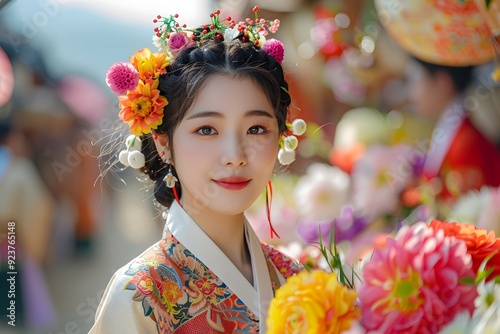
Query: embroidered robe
[[185, 284]]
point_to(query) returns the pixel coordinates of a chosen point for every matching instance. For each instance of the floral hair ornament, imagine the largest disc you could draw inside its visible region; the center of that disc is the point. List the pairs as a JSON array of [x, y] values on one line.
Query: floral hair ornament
[[132, 155], [288, 143], [172, 37], [136, 84]]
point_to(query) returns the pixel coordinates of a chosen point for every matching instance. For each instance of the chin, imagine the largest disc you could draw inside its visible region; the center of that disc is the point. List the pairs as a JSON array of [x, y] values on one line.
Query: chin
[[231, 205], [226, 202]]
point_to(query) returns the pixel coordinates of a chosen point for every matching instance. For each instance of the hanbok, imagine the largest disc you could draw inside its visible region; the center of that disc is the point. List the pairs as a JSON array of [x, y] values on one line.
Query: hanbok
[[185, 284], [460, 155]]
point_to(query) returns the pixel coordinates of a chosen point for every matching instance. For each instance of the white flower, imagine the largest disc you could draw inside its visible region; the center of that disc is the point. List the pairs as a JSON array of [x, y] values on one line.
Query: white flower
[[133, 143], [293, 249], [230, 34], [481, 208], [461, 324], [286, 157], [290, 143], [123, 158], [160, 44], [157, 41], [469, 206], [299, 127], [378, 178], [170, 180], [321, 193], [136, 159], [487, 322], [488, 294]]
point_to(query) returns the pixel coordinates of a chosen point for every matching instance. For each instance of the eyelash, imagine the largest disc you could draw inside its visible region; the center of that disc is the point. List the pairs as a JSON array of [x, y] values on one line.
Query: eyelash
[[264, 130], [200, 130]]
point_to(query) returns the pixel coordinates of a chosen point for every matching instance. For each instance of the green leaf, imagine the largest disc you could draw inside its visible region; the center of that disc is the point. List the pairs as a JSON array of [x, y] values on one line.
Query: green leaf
[[488, 3], [307, 267], [332, 256], [483, 274], [467, 280]]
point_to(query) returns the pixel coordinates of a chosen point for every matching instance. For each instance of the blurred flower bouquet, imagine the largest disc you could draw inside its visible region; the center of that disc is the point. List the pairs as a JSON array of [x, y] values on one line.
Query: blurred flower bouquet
[[429, 278], [409, 276], [478, 207]]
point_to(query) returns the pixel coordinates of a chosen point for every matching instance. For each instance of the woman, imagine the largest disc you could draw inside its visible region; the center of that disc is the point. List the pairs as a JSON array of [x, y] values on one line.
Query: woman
[[459, 155], [207, 127]]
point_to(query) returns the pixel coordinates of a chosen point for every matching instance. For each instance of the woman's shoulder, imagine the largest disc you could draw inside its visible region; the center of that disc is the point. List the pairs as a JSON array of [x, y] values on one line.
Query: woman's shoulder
[[121, 278], [285, 264], [150, 264], [125, 292]]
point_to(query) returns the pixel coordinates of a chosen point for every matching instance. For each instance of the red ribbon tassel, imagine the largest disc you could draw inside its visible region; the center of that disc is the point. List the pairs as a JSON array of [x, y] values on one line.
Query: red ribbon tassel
[[174, 189], [269, 197]]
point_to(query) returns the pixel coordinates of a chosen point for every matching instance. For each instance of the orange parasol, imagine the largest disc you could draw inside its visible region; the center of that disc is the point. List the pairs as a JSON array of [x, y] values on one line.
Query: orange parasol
[[444, 32]]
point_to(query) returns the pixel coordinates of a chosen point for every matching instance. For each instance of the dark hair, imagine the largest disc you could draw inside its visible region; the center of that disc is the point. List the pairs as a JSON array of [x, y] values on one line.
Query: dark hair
[[5, 121], [5, 129], [187, 74], [461, 76]]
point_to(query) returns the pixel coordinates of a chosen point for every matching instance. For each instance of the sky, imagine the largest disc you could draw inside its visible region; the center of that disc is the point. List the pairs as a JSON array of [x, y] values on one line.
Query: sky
[[86, 36]]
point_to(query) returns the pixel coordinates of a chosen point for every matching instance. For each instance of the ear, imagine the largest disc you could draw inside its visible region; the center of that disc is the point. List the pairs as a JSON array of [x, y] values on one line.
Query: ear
[[162, 145]]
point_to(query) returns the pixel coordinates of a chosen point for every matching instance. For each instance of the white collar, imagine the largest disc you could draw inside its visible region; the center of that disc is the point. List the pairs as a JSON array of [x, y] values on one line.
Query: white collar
[[442, 136], [189, 234]]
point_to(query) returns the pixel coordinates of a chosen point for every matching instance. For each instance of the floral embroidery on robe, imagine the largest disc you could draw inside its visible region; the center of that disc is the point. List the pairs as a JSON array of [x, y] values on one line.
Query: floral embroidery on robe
[[179, 293]]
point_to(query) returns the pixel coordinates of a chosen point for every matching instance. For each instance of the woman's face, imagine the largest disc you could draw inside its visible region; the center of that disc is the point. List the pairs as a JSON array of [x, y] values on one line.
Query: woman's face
[[424, 92], [225, 148]]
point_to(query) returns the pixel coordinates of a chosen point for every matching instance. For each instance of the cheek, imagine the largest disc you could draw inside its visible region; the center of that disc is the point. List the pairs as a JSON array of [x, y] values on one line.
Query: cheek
[[190, 158], [263, 153], [189, 150], [270, 153]]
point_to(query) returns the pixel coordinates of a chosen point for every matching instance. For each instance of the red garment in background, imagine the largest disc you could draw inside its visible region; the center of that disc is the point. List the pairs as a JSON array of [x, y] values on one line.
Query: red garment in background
[[470, 162]]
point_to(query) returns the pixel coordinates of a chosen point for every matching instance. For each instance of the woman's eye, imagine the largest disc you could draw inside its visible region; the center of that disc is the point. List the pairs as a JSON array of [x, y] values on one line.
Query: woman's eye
[[206, 131], [256, 130]]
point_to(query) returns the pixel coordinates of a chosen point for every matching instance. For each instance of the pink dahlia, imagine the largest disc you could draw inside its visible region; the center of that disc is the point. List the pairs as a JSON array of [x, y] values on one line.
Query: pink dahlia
[[412, 285], [122, 77], [275, 48]]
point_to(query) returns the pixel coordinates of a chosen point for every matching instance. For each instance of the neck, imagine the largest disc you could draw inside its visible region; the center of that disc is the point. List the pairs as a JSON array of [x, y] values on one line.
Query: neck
[[228, 233]]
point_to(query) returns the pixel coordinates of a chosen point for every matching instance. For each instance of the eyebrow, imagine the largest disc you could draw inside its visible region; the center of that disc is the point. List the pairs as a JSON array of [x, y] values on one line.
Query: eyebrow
[[216, 114]]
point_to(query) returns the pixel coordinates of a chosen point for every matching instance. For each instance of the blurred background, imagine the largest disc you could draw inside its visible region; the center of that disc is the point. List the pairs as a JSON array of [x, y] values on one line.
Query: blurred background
[[381, 149]]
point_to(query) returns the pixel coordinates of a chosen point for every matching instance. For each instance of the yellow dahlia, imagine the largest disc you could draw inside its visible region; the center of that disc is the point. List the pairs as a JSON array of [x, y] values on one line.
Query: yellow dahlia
[[142, 108], [149, 65], [312, 302]]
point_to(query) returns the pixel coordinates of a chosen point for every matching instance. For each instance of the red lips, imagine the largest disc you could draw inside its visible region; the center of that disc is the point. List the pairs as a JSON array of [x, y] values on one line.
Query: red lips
[[233, 183]]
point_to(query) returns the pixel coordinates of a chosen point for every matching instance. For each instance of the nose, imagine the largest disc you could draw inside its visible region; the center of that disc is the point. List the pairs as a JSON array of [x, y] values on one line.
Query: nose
[[234, 151]]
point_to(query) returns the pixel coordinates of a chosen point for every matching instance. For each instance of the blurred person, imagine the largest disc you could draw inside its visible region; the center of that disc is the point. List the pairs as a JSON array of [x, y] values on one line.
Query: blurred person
[[207, 126], [459, 155], [60, 143], [26, 210]]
